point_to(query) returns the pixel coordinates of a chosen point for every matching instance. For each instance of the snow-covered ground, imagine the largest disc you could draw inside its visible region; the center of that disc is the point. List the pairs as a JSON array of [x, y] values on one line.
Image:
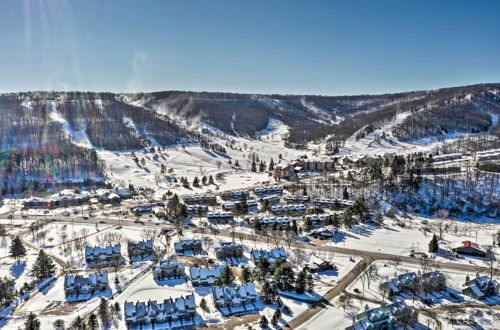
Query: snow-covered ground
[[393, 239], [374, 144], [190, 160]]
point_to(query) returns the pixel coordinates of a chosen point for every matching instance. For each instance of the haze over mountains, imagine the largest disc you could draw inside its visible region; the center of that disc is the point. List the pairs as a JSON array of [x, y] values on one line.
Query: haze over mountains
[[55, 134]]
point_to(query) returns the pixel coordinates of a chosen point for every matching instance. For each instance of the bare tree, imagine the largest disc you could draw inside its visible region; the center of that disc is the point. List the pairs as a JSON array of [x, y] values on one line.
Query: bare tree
[[345, 301], [150, 233]]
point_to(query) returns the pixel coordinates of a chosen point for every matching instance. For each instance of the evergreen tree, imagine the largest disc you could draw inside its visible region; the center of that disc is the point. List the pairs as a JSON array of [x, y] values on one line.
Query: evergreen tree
[[300, 283], [307, 225], [196, 182], [246, 275], [345, 194], [264, 323], [204, 180], [257, 225], [262, 167], [236, 163], [379, 219], [104, 313], [203, 304], [210, 179], [17, 250], [254, 166], [274, 320], [93, 323], [78, 323], [44, 266], [294, 227], [284, 276], [309, 283], [226, 277], [117, 308], [271, 165], [433, 245], [32, 323]]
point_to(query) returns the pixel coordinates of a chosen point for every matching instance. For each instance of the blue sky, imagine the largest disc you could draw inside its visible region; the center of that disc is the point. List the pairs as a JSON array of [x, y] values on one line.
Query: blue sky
[[292, 47]]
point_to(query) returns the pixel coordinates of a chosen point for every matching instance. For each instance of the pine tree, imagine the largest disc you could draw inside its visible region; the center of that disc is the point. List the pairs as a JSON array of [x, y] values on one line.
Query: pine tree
[[117, 308], [433, 245], [204, 180], [17, 250], [271, 165], [309, 283], [246, 275], [300, 283], [274, 320], [196, 182], [78, 323], [284, 277], [278, 313], [307, 225], [262, 167], [227, 276], [32, 323], [254, 166], [104, 312], [44, 266], [93, 323], [264, 323], [210, 179], [203, 304], [294, 227], [345, 194]]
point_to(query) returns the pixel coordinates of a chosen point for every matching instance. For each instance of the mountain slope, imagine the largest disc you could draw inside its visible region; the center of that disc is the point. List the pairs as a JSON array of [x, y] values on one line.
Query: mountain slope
[[52, 136]]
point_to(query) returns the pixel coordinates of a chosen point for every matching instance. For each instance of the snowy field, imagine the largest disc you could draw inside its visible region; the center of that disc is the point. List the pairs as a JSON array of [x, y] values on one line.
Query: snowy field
[[190, 160], [393, 239]]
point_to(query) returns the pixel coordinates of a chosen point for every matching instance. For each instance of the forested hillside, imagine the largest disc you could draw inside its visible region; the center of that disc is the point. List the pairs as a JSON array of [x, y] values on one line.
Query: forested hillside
[[50, 136]]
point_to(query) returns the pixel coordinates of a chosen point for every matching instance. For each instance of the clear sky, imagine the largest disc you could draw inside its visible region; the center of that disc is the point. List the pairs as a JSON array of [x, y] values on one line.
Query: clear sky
[[293, 47]]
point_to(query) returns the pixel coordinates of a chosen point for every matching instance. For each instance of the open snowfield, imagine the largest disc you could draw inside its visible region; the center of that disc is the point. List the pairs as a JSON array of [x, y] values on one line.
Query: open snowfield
[[396, 240]]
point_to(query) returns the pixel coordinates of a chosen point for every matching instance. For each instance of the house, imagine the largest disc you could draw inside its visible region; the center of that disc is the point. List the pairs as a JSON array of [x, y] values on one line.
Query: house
[[481, 288], [286, 209], [276, 190], [169, 269], [108, 256], [196, 209], [274, 222], [271, 199], [205, 200], [319, 220], [177, 313], [317, 164], [412, 284], [328, 232], [36, 203], [204, 276], [319, 266], [284, 171], [190, 246], [229, 250], [159, 212], [390, 317], [235, 195], [273, 255], [471, 248], [140, 250], [236, 299], [78, 287], [220, 217], [293, 199]]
